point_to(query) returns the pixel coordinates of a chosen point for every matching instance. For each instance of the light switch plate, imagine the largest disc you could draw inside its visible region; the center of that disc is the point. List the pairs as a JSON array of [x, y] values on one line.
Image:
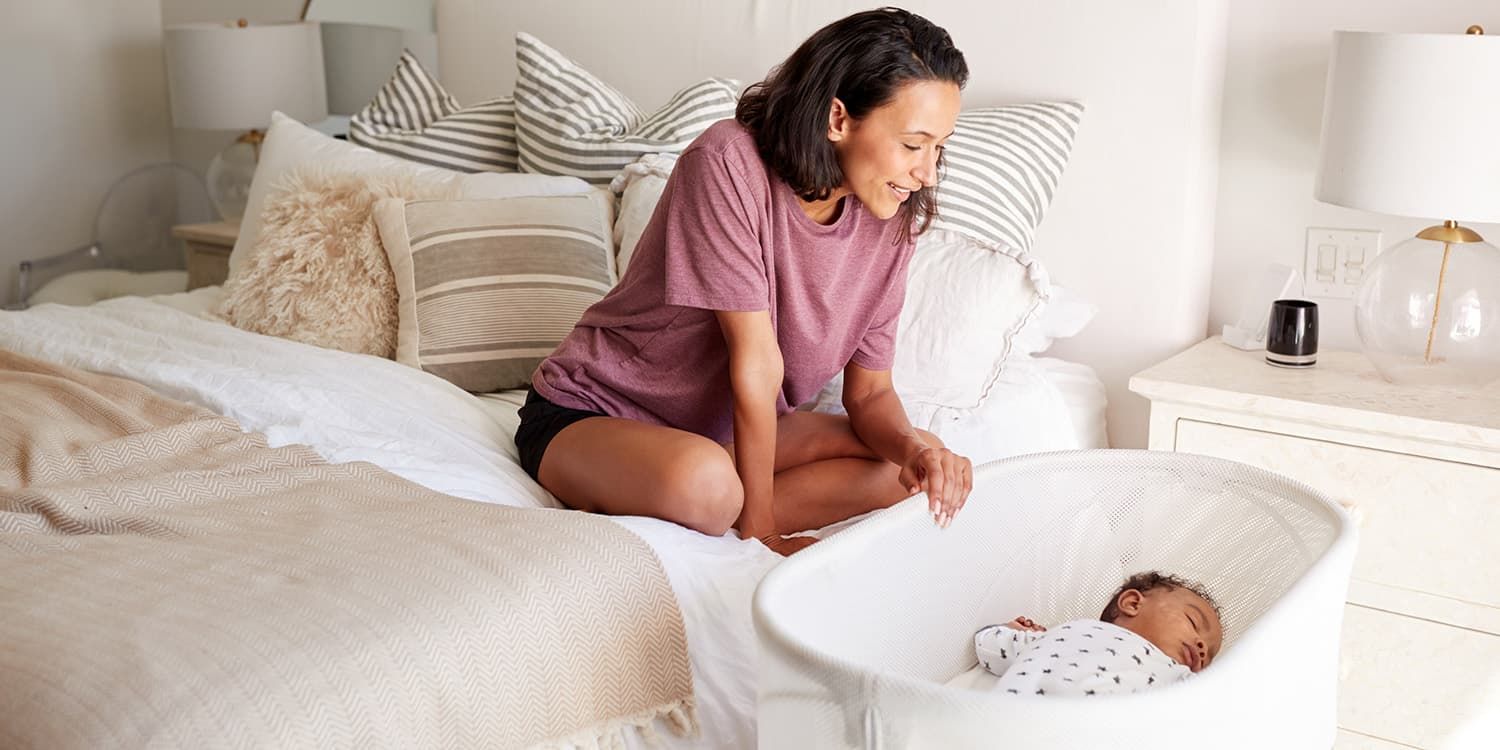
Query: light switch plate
[[1337, 260]]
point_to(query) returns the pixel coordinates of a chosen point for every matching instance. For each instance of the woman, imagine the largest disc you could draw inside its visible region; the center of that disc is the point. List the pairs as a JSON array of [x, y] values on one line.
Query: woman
[[776, 257]]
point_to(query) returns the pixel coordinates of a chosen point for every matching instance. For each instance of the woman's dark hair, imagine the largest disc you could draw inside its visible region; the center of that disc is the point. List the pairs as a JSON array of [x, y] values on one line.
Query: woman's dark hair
[[863, 60]]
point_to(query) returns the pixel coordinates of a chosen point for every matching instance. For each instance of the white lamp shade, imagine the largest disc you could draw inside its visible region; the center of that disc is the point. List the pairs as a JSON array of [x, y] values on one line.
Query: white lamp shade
[[225, 77], [359, 59], [1411, 125]]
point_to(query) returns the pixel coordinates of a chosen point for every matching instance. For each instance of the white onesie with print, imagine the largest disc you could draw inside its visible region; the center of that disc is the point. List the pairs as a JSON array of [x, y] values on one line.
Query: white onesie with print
[[1082, 657]]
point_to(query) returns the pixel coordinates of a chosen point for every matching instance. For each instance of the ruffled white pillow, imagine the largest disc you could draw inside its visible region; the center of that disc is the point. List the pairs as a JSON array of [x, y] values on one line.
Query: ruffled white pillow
[[639, 186]]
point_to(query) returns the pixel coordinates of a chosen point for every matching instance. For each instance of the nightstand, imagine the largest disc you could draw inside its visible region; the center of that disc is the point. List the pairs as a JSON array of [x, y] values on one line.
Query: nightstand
[[208, 248], [1420, 662]]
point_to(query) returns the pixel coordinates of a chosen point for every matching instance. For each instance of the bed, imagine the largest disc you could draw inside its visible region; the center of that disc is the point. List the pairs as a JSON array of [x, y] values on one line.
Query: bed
[[441, 438], [429, 432]]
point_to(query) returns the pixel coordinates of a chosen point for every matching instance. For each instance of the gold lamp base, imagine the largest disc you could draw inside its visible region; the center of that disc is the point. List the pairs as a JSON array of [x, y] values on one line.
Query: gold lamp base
[[1449, 233]]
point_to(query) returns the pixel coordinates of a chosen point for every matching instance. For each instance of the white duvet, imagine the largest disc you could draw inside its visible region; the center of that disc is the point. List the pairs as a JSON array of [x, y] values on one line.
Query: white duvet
[[351, 407]]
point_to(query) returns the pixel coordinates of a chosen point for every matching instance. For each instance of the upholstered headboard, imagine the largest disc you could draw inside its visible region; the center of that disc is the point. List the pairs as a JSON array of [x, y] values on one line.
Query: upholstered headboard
[[1131, 228]]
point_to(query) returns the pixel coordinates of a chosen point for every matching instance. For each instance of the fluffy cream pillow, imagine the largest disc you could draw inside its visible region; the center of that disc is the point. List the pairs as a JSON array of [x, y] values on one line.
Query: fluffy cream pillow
[[290, 144], [317, 273]]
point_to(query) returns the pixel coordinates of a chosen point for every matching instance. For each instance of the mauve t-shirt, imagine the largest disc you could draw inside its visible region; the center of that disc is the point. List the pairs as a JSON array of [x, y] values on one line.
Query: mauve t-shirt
[[728, 235]]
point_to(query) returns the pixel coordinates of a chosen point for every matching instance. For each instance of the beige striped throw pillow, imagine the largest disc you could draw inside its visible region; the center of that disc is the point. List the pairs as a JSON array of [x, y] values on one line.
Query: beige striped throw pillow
[[488, 288]]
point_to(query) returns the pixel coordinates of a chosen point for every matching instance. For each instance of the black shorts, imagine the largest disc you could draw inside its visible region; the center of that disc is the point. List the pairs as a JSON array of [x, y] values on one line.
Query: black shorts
[[541, 420]]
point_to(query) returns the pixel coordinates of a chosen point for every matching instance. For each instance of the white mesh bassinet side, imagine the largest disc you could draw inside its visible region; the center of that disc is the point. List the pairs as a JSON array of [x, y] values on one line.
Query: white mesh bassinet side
[[859, 631]]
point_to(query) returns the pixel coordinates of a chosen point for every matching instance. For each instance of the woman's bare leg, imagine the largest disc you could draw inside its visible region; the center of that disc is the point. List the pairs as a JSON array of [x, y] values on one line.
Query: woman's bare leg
[[825, 473], [629, 468], [814, 495]]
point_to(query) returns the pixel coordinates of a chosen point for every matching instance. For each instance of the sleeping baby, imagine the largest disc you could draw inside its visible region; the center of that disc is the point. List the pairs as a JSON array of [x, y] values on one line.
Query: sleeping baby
[[1156, 630]]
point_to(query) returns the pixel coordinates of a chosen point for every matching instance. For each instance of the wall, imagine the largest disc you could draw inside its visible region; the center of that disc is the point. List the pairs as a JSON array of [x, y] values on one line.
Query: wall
[[1273, 104], [1142, 265], [96, 107], [87, 103]]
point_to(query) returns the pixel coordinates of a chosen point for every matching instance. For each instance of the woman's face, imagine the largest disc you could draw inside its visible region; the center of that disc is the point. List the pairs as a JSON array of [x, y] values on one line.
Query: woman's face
[[893, 150]]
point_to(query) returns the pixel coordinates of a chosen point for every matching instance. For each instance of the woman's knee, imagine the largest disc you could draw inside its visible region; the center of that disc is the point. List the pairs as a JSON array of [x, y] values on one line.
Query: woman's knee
[[702, 491]]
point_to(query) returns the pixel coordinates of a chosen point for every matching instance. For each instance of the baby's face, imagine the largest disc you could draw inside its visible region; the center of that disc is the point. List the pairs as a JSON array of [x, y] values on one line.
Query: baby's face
[[1177, 621]]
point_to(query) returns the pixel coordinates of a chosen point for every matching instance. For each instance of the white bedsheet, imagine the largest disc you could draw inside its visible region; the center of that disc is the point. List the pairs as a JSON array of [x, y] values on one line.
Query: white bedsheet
[[351, 407]]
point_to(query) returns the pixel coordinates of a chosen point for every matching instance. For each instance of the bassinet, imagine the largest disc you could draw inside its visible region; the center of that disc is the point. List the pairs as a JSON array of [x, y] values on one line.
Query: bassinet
[[859, 632]]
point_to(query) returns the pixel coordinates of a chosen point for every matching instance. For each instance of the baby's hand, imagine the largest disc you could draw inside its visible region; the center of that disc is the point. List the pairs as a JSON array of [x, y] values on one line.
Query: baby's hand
[[1025, 623]]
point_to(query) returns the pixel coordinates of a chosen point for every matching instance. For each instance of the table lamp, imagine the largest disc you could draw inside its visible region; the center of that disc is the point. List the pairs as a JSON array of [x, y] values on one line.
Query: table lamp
[[359, 58], [362, 42], [1411, 127], [232, 76]]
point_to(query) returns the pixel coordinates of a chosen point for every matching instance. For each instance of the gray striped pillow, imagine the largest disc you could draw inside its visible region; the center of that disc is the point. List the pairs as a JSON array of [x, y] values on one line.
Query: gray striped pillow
[[488, 288], [414, 118], [1003, 165], [570, 123]]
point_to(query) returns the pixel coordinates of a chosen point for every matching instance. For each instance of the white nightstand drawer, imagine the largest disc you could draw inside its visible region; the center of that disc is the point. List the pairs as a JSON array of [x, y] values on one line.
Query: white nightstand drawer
[[1348, 740], [207, 265], [1428, 525], [1419, 683]]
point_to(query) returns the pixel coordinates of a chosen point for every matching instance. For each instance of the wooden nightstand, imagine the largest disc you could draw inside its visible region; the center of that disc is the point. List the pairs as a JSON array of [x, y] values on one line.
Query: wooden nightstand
[[1420, 662], [208, 248]]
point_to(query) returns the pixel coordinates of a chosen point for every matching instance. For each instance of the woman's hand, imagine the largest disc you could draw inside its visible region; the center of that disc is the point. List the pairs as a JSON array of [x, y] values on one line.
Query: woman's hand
[[1024, 623], [945, 476]]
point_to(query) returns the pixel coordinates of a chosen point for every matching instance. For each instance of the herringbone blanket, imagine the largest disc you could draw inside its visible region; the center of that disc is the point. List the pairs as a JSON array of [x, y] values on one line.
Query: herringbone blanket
[[167, 580]]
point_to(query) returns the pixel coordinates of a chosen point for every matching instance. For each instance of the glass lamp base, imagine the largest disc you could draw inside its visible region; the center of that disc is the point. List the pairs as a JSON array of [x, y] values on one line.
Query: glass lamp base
[[1428, 313], [1415, 370], [229, 176]]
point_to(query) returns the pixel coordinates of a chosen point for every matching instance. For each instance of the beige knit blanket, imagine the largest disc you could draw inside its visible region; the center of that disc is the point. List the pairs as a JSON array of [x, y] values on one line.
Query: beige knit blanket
[[167, 580]]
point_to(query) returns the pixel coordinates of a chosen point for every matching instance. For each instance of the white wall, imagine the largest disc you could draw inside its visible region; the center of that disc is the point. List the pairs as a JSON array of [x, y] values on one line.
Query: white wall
[[85, 103], [1273, 100], [1147, 263]]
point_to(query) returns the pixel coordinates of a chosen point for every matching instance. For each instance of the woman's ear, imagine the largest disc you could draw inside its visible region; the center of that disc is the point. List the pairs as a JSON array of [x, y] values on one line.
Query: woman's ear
[[1130, 602], [838, 121]]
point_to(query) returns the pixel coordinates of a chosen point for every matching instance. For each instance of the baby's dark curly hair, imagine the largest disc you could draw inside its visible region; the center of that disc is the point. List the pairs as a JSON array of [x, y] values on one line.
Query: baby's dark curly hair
[[1152, 579]]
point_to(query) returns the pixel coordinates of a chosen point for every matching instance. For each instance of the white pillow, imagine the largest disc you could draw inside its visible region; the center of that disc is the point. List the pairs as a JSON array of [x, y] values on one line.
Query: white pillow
[[290, 144], [965, 304], [970, 308], [99, 284], [639, 186], [1064, 316]]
